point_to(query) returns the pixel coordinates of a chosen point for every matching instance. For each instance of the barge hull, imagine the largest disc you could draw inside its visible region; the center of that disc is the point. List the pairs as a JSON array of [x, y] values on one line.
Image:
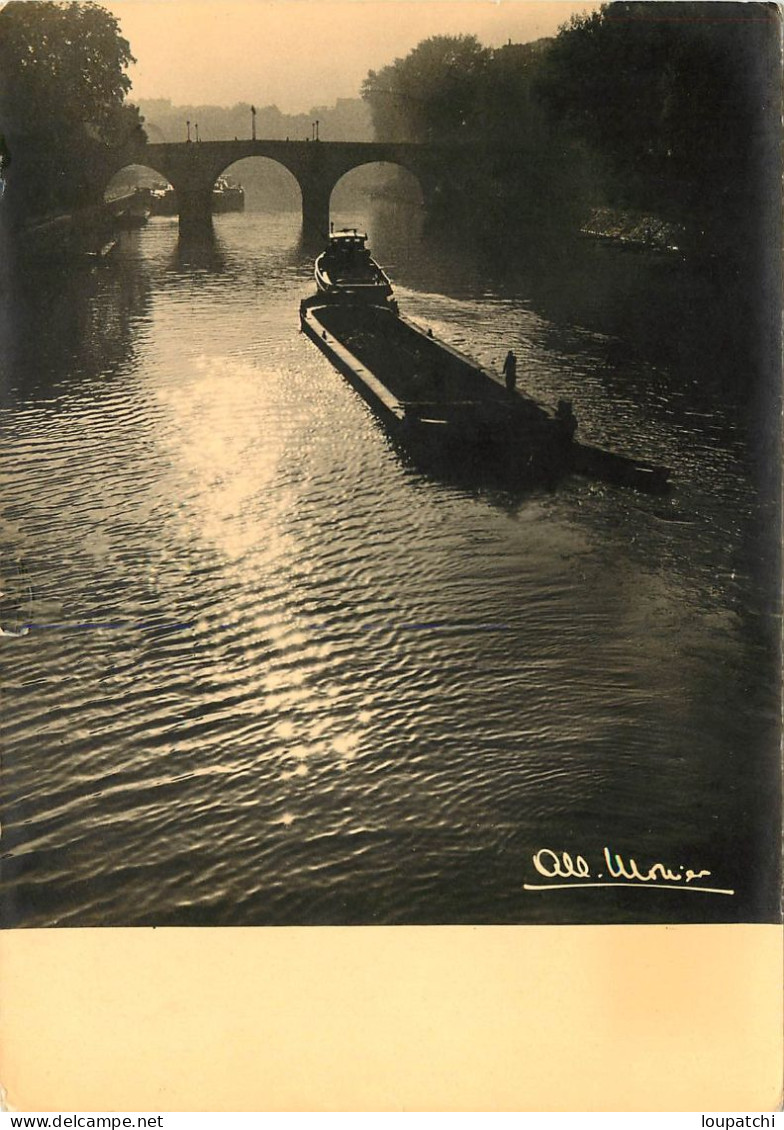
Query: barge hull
[[454, 414], [445, 408], [373, 391]]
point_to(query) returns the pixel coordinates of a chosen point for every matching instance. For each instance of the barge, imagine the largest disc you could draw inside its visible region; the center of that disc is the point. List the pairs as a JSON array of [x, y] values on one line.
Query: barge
[[437, 402], [346, 271], [444, 407], [228, 196]]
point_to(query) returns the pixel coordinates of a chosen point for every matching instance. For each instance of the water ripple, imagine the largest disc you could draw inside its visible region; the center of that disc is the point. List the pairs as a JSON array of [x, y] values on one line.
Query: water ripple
[[275, 674]]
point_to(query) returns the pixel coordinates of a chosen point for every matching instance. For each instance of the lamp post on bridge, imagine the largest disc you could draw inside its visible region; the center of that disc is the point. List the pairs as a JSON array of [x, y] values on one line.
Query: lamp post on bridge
[[188, 126], [253, 123]]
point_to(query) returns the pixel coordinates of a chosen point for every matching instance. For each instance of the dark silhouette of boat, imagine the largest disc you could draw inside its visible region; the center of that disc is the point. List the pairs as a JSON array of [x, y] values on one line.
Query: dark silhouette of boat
[[228, 196], [133, 210], [346, 271], [439, 403], [163, 200]]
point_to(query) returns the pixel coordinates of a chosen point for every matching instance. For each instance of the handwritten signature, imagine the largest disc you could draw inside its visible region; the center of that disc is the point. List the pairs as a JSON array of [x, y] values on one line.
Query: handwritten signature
[[565, 870]]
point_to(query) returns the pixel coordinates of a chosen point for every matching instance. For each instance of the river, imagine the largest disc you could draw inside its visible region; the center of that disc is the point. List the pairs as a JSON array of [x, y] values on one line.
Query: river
[[260, 669]]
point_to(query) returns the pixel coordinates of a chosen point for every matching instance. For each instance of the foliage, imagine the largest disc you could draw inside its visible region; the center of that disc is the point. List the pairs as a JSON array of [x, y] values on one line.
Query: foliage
[[453, 90], [430, 95], [672, 95], [669, 108], [63, 84]]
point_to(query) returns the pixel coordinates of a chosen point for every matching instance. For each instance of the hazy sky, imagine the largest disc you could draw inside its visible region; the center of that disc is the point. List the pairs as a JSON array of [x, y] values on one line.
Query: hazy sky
[[302, 53]]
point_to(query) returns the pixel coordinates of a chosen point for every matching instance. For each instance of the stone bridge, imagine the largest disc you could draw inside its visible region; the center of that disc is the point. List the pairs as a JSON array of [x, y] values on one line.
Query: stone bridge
[[192, 167]]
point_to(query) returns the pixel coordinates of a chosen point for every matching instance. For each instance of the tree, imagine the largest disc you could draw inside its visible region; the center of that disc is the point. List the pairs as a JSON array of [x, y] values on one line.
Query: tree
[[454, 90], [672, 96], [507, 111], [63, 83], [430, 95]]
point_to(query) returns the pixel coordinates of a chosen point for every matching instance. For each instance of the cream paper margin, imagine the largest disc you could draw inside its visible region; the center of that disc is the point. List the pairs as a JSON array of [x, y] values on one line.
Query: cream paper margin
[[634, 1018]]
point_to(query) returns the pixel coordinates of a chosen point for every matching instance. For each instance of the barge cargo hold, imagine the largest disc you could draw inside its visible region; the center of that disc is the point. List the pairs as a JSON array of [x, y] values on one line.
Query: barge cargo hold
[[444, 407], [437, 402]]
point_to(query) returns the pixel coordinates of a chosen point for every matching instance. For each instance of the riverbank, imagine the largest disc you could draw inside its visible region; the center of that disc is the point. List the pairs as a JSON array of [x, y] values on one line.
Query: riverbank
[[71, 237]]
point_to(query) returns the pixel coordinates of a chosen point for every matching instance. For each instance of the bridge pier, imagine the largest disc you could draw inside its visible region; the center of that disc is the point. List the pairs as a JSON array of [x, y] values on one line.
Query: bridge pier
[[315, 212], [195, 208]]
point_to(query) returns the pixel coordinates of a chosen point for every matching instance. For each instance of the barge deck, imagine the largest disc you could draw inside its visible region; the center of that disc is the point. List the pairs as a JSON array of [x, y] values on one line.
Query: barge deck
[[444, 406]]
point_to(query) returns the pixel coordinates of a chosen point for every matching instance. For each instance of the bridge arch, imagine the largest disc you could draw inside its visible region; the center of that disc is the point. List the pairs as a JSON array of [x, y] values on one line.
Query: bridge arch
[[137, 184], [385, 180], [131, 176], [193, 167], [269, 185]]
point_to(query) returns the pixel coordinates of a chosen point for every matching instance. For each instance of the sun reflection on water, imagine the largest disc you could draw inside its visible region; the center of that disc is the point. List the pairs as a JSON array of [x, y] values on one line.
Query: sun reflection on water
[[216, 437]]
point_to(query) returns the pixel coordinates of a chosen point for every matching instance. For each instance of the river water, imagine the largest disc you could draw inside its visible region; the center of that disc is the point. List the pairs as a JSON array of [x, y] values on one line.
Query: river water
[[259, 669]]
